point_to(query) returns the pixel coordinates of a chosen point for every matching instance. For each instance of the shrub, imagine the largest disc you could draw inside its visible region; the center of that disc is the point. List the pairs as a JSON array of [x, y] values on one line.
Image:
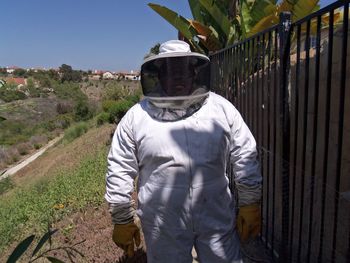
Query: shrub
[[133, 99], [63, 121], [48, 126], [24, 148], [37, 146], [107, 104], [75, 131], [82, 111], [102, 118], [64, 107], [38, 140], [68, 90], [12, 155], [115, 91], [9, 95], [118, 109]]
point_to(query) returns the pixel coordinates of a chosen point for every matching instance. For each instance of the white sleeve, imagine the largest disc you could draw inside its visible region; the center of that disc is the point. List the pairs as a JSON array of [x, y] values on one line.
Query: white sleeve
[[243, 157], [122, 169]]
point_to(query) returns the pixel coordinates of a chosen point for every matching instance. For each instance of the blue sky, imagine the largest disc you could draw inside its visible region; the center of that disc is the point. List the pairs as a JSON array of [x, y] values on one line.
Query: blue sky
[[86, 34]]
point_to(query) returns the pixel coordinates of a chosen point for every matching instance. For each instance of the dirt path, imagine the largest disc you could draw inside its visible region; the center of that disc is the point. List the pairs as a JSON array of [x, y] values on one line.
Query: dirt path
[[28, 160]]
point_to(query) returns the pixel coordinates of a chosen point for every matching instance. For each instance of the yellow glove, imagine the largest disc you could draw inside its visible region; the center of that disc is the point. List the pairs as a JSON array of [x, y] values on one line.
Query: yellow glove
[[248, 222], [124, 236]]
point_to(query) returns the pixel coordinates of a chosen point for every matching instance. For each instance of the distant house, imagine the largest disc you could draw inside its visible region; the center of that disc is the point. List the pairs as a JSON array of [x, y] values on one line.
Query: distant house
[[96, 74], [132, 75], [11, 69], [108, 75]]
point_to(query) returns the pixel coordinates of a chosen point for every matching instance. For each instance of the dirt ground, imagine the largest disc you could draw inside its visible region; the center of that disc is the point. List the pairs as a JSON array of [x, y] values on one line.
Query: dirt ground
[[94, 227]]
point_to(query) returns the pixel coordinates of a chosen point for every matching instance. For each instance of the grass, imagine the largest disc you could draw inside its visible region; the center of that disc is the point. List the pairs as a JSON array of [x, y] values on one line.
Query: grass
[[31, 209], [5, 185]]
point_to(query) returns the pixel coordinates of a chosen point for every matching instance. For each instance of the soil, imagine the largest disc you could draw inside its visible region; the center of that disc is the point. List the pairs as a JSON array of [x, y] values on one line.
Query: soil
[[92, 226]]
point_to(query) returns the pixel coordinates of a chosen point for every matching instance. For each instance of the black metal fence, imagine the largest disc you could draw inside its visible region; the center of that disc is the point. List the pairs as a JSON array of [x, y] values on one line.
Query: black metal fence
[[290, 84]]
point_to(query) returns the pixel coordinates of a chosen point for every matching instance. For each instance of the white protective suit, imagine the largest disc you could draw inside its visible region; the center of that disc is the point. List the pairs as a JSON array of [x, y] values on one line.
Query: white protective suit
[[183, 194]]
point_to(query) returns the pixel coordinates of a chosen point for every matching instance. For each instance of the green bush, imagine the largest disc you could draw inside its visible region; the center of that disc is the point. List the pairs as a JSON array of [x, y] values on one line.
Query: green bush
[[37, 146], [114, 90], [75, 131], [107, 104], [133, 98], [102, 118], [82, 111], [9, 95], [118, 110], [68, 90], [12, 132], [63, 121]]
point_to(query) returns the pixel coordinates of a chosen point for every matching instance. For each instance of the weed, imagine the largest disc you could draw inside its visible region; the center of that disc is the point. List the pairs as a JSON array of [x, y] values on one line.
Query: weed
[[38, 252]]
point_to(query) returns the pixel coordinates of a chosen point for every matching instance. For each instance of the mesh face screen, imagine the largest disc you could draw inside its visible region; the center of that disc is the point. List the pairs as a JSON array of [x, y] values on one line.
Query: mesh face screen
[[175, 76]]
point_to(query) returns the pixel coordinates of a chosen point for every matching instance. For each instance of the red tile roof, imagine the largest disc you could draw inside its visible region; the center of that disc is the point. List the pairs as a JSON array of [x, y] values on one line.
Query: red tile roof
[[18, 81]]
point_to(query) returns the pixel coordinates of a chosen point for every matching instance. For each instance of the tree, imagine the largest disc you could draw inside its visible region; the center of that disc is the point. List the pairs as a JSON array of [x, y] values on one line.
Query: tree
[[153, 50], [19, 72], [53, 74], [68, 74]]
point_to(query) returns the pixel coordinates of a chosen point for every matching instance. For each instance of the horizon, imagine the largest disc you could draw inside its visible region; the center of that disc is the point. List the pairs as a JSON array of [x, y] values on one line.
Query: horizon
[[108, 35]]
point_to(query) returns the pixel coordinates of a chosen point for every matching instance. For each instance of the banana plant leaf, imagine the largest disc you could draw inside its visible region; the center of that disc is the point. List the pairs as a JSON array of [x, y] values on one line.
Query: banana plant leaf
[[207, 35], [180, 23], [264, 23], [197, 11], [218, 16], [254, 11], [303, 8]]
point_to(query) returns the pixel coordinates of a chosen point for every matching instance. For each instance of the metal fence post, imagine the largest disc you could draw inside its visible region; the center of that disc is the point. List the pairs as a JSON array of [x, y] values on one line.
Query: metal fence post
[[284, 119]]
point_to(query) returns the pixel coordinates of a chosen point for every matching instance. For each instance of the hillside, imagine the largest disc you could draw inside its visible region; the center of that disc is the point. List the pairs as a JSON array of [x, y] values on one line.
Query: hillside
[[27, 124], [91, 222]]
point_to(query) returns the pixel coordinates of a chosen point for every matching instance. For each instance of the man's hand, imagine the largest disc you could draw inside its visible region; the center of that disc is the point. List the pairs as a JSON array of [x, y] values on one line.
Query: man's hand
[[124, 236], [248, 222]]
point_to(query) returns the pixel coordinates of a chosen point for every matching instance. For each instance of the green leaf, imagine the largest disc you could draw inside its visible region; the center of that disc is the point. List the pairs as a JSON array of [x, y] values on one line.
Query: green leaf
[[43, 239], [303, 8], [20, 249], [179, 22], [196, 10], [254, 11], [54, 260], [176, 20], [218, 16]]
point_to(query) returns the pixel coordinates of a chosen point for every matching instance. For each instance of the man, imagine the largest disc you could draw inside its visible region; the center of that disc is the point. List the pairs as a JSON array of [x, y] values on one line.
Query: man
[[180, 141]]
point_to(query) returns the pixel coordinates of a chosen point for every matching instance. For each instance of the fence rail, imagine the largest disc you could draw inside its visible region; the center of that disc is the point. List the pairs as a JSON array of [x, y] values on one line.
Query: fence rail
[[290, 84]]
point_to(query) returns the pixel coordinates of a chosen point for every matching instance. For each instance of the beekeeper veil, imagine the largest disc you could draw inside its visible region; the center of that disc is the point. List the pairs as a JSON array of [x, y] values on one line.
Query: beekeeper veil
[[176, 78]]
